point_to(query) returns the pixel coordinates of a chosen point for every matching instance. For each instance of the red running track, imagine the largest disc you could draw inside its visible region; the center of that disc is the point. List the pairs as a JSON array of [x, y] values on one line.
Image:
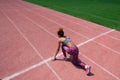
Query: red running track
[[28, 42]]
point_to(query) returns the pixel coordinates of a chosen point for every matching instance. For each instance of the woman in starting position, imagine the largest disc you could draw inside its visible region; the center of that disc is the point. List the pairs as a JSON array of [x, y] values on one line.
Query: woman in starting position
[[69, 47]]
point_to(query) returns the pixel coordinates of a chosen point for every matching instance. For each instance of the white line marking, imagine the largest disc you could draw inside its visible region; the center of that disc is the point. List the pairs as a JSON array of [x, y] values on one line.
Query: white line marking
[[108, 48], [23, 71], [113, 37], [92, 39], [31, 46], [100, 43]]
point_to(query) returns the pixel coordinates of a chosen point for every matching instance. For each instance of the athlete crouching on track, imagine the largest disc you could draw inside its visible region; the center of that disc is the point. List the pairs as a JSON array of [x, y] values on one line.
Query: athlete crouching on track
[[69, 47]]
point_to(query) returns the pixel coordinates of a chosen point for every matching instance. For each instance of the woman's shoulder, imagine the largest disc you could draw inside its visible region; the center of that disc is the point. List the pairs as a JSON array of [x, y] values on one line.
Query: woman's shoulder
[[67, 37], [62, 39]]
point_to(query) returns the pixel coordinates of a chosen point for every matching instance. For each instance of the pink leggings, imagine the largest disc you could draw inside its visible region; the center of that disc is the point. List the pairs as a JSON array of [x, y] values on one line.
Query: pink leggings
[[73, 51]]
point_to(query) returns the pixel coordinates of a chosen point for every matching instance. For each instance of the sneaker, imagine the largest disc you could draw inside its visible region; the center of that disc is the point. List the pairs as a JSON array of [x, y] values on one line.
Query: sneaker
[[88, 70]]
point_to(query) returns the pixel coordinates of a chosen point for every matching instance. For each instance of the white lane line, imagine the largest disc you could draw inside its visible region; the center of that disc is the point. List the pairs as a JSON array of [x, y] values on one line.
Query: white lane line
[[114, 51], [31, 45], [114, 37], [92, 39], [24, 71]]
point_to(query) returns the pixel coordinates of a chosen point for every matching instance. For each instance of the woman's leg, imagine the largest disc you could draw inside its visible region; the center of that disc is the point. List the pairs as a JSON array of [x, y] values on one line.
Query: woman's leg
[[78, 62]]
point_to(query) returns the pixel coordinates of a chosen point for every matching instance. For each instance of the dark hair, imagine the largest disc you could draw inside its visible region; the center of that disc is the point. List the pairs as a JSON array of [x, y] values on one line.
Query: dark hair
[[60, 32]]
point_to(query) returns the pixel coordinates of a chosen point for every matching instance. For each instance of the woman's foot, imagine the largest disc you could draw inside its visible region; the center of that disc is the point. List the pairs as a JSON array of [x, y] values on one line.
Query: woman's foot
[[88, 68]]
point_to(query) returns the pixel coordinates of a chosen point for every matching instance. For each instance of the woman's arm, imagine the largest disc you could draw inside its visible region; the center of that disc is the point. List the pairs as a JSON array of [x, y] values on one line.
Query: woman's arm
[[57, 50]]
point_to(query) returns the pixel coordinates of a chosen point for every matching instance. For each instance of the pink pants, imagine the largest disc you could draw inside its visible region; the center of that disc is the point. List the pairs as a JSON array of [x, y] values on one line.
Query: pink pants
[[73, 51]]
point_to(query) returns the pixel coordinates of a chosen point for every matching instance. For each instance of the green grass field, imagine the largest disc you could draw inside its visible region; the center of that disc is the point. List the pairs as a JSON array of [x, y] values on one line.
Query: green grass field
[[103, 12]]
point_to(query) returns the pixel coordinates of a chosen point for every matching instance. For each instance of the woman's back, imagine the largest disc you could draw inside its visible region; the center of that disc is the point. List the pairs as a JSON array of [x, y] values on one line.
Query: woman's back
[[66, 41]]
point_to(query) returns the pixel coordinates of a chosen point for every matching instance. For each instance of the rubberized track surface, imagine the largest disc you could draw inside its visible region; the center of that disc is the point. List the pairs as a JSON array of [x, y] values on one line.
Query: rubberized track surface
[[28, 42]]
